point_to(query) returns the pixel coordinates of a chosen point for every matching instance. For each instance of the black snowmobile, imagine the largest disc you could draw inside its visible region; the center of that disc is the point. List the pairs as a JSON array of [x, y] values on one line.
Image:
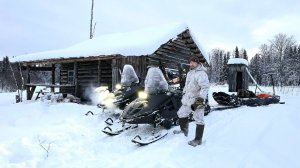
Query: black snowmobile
[[157, 105], [128, 90]]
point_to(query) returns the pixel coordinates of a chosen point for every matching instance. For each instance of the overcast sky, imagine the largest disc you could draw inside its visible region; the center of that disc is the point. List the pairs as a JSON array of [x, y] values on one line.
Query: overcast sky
[[28, 26]]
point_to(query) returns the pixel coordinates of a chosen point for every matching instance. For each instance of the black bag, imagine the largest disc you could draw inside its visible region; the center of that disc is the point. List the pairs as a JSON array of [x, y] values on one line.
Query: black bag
[[245, 94], [226, 99]]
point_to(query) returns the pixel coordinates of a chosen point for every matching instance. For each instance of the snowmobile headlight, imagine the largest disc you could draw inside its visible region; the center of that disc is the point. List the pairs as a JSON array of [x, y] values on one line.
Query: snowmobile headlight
[[143, 95], [118, 86]]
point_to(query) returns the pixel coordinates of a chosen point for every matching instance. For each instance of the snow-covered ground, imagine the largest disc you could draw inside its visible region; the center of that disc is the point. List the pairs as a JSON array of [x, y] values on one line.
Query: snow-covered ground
[[39, 134]]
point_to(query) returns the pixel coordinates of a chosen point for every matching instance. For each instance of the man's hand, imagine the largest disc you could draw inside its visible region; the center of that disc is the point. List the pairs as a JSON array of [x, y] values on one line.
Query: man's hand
[[199, 103]]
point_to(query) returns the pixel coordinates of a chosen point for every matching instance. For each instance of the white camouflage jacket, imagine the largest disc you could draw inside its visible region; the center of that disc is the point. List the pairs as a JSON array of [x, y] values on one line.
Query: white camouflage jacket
[[196, 85]]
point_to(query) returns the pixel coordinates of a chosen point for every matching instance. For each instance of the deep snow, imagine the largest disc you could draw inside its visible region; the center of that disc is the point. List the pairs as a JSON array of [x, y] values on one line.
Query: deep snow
[[266, 136]]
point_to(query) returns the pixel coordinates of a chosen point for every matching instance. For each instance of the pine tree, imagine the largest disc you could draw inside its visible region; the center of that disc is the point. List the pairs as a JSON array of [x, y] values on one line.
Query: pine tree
[[289, 65], [224, 71], [216, 68], [236, 53], [255, 68], [245, 56], [298, 65]]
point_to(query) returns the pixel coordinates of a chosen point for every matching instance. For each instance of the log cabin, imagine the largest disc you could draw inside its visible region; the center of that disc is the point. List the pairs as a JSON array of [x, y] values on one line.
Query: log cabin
[[98, 61]]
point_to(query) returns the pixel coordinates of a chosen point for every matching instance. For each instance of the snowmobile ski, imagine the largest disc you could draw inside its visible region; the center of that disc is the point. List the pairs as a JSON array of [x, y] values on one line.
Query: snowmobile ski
[[145, 141], [107, 130]]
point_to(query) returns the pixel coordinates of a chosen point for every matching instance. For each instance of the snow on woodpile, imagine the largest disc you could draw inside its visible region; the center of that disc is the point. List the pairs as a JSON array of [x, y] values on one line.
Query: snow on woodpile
[[135, 43], [238, 61]]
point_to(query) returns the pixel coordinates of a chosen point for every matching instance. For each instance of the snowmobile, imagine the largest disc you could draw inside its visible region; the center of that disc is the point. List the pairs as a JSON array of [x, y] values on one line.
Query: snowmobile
[[157, 104], [127, 90]]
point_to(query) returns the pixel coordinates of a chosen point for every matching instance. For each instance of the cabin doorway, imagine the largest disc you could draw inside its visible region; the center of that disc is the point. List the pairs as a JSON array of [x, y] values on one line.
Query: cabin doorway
[[239, 81]]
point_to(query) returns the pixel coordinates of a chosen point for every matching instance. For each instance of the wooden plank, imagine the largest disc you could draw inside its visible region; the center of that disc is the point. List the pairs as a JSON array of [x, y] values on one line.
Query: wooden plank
[[48, 85], [99, 73], [87, 76], [83, 73], [28, 74], [53, 77], [72, 59], [178, 53], [76, 79], [32, 68], [167, 58]]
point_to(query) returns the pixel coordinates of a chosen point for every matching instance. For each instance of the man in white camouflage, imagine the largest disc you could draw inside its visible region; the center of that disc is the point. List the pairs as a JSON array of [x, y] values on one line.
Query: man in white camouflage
[[193, 100]]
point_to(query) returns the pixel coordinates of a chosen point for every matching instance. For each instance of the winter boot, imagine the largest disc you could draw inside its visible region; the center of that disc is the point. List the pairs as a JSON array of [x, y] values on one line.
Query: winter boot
[[184, 126], [198, 136]]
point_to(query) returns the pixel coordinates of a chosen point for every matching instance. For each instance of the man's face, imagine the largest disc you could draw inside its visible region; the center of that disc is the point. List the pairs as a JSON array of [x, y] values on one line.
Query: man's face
[[193, 65]]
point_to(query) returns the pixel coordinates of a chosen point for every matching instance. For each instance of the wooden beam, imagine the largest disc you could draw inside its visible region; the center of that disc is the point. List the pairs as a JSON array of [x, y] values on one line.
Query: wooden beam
[[28, 74], [99, 73], [27, 82], [72, 59], [32, 68], [53, 77], [114, 73], [76, 79]]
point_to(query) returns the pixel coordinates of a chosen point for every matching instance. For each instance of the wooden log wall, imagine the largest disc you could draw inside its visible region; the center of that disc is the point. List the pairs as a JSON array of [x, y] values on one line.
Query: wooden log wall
[[64, 78], [105, 73], [88, 74], [172, 53]]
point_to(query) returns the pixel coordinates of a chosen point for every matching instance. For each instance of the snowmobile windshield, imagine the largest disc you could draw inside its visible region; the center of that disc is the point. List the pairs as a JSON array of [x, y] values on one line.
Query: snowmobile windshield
[[128, 76], [155, 81]]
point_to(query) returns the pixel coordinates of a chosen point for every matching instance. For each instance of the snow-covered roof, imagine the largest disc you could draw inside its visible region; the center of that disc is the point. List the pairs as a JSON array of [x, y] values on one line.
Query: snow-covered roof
[[238, 61], [134, 43]]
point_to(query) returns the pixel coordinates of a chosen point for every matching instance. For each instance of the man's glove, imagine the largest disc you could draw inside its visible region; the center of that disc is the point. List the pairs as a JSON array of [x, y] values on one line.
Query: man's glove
[[199, 103]]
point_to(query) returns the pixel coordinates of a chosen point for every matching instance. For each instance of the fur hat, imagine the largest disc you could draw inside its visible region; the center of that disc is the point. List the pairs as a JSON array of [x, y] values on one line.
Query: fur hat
[[195, 59]]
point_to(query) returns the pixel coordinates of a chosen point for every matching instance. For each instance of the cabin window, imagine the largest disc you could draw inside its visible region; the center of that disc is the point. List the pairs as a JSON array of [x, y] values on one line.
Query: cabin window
[[70, 77]]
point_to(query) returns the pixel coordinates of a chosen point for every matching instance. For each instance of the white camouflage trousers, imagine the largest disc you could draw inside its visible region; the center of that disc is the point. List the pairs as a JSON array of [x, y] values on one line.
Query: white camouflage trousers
[[198, 115]]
